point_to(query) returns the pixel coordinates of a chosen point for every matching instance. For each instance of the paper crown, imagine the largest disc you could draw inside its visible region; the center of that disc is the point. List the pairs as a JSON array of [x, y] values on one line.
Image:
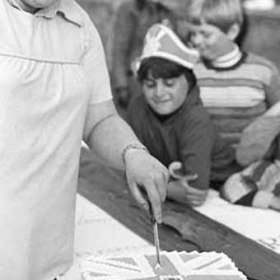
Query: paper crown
[[161, 41]]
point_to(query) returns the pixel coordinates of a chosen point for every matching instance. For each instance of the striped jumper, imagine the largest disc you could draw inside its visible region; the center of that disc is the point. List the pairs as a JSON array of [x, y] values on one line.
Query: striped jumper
[[237, 90]]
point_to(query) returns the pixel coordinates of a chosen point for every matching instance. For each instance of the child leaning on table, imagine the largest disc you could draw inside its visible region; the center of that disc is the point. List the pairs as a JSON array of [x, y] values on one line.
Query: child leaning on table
[[168, 117], [240, 90]]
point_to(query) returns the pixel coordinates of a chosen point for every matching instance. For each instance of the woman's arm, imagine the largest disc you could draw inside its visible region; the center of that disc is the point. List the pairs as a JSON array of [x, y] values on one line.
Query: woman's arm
[[114, 141]]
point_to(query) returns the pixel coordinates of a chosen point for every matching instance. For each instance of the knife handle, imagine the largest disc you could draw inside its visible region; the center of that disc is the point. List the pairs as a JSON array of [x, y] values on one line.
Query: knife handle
[[151, 211]]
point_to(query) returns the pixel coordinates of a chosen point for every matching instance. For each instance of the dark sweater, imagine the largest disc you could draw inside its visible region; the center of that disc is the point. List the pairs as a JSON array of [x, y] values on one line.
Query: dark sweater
[[185, 136]]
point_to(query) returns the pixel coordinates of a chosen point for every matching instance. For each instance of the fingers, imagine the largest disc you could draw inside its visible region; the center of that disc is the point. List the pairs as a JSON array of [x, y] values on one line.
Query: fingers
[[138, 196], [155, 198], [190, 177], [196, 201], [144, 171], [175, 169], [153, 195], [195, 197], [161, 184]]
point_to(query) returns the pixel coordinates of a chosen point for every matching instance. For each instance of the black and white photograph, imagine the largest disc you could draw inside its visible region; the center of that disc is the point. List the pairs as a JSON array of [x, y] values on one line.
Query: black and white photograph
[[140, 140]]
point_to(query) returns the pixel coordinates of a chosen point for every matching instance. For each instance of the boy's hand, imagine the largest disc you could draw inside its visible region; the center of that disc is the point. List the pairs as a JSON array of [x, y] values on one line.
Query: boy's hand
[[181, 191], [145, 171]]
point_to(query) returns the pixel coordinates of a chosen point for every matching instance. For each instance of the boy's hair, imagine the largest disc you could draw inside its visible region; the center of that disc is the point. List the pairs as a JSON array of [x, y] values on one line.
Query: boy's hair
[[140, 4], [220, 13], [162, 68]]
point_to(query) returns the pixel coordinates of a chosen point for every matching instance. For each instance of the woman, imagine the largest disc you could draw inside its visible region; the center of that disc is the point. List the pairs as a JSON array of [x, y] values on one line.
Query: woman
[[54, 93]]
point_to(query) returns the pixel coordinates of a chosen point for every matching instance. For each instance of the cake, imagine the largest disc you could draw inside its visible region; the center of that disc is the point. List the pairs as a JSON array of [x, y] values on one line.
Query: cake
[[175, 266]]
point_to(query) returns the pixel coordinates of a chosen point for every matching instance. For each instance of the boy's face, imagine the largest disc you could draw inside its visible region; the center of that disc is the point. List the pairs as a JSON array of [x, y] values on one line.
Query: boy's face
[[165, 95], [210, 41]]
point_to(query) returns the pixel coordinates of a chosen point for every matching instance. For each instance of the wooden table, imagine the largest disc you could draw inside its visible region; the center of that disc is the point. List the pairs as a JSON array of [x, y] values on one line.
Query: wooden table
[[184, 229]]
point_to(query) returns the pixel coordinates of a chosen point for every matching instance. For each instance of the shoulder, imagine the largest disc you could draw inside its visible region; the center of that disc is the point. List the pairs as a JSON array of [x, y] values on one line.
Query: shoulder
[[261, 69], [74, 12], [201, 71], [260, 61], [77, 14], [195, 116], [197, 127], [199, 116]]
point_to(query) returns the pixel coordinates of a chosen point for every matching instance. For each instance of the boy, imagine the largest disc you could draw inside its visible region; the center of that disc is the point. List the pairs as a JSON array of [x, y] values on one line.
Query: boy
[[240, 90], [169, 117]]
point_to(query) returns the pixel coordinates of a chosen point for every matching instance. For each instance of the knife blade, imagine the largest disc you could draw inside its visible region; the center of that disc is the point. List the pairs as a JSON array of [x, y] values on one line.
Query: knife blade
[[155, 230], [156, 236], [157, 245]]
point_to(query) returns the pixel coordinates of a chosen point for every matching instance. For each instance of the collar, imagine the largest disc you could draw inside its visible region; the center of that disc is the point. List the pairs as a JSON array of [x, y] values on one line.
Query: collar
[[228, 60], [67, 8]]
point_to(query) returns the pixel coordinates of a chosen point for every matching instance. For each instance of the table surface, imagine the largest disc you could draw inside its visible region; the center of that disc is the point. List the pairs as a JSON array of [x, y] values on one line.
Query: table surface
[[183, 229]]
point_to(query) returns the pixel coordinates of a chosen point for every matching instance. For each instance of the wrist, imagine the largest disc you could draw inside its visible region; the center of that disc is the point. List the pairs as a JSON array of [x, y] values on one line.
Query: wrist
[[132, 147]]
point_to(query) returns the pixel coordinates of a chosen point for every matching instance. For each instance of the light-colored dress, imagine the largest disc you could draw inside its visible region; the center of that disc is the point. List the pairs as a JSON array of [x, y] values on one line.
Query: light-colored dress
[[52, 68]]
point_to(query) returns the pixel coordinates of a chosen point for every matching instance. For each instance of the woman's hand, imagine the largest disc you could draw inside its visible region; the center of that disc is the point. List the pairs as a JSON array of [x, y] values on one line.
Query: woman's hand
[[180, 190], [146, 172]]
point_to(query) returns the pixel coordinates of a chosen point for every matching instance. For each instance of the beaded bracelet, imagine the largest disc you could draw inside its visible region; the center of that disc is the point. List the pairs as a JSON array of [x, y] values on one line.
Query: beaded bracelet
[[132, 146]]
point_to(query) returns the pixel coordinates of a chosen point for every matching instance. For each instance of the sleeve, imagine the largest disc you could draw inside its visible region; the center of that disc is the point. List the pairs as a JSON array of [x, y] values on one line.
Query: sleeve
[[195, 145], [273, 94], [254, 186], [123, 33], [95, 67], [273, 88]]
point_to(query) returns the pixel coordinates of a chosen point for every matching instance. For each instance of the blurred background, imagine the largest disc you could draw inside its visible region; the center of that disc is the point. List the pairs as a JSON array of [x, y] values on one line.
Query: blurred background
[[262, 35]]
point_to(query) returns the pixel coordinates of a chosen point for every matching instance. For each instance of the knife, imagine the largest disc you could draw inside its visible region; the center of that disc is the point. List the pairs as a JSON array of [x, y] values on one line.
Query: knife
[[156, 242], [156, 235]]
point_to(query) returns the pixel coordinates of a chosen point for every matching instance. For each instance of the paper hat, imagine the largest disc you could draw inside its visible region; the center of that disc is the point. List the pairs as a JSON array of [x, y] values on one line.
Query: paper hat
[[161, 41]]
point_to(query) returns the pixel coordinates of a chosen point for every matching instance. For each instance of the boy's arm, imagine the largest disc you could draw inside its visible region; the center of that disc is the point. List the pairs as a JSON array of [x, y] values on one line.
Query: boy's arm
[[257, 138], [272, 87], [274, 102], [195, 146], [181, 191]]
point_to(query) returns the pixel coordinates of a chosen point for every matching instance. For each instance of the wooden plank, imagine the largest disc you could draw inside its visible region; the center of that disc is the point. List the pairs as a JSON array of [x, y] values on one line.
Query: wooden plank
[[107, 189], [119, 204], [256, 261]]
